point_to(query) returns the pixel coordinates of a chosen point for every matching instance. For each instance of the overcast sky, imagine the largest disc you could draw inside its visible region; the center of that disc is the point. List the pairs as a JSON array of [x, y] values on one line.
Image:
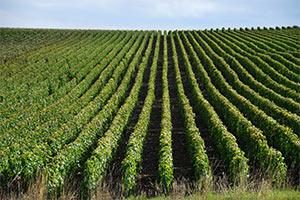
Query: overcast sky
[[148, 14]]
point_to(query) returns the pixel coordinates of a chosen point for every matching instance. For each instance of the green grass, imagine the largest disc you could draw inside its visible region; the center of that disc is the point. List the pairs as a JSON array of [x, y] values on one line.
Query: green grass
[[267, 195]]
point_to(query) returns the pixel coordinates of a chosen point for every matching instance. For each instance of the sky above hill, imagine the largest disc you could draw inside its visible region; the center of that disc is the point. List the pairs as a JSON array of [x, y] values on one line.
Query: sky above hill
[[148, 14]]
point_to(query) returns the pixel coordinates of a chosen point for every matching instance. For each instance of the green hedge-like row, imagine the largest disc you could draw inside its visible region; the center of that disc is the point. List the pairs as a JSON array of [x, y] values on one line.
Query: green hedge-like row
[[25, 67], [249, 137], [284, 116], [256, 72], [281, 69], [279, 114], [40, 113], [261, 48], [283, 35], [66, 70], [281, 95], [291, 58], [20, 42], [292, 66], [40, 77], [267, 45], [68, 160], [32, 58], [275, 75], [285, 58], [196, 144], [272, 42], [165, 159], [77, 73], [131, 165], [71, 127], [291, 32], [74, 117], [286, 41], [282, 73], [76, 59], [292, 50], [97, 164], [35, 119], [278, 136], [289, 66], [224, 141]]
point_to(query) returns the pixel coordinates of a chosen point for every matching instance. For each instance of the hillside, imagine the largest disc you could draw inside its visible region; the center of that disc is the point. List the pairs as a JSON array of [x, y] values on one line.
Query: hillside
[[146, 108]]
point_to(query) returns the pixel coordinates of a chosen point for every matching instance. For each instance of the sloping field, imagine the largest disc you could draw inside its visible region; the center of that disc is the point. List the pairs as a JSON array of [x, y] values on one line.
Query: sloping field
[[145, 108]]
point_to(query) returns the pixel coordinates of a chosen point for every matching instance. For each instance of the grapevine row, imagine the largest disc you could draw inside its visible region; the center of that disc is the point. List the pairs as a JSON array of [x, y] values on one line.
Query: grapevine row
[[196, 144], [55, 141], [261, 48], [66, 70], [258, 73], [36, 63], [36, 117], [69, 158], [248, 136], [131, 165], [290, 120], [165, 162], [278, 136]]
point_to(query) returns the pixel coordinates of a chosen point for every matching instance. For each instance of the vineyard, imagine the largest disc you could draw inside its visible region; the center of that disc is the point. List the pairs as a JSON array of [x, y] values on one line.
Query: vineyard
[[147, 108]]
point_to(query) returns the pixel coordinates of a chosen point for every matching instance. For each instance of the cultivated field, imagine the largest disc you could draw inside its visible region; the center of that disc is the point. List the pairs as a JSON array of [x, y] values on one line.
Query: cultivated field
[[144, 110]]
